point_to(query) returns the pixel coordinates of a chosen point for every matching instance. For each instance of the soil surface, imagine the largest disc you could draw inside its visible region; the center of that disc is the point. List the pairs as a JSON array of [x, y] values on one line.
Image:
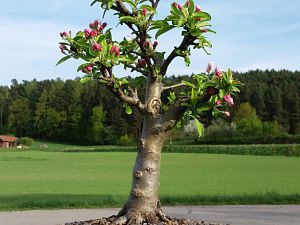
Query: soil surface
[[234, 215]]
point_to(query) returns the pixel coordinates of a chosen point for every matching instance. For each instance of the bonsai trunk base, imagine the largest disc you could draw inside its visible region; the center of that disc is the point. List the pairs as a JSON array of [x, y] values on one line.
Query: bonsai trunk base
[[153, 216], [131, 218]]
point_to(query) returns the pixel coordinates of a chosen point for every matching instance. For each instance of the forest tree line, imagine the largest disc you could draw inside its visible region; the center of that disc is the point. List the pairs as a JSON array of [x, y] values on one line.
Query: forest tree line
[[70, 111]]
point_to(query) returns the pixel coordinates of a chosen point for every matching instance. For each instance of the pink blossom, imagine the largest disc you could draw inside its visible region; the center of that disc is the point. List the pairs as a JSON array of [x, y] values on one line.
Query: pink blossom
[[209, 67], [198, 9], [179, 7], [199, 19], [218, 73], [218, 102], [155, 43], [187, 4], [115, 50], [145, 11], [229, 100], [97, 48]]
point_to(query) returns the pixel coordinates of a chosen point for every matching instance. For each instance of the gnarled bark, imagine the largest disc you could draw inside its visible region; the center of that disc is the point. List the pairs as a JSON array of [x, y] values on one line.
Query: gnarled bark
[[143, 204]]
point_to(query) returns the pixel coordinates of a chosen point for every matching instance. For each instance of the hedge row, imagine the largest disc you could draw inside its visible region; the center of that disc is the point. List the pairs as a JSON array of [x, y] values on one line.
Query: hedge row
[[267, 150]]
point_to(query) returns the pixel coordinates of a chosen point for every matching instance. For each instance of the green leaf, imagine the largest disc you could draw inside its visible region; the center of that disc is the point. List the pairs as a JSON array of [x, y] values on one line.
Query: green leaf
[[85, 80], [163, 30], [63, 60], [199, 127], [128, 110], [193, 97], [188, 83], [202, 15], [129, 19], [187, 61], [222, 93]]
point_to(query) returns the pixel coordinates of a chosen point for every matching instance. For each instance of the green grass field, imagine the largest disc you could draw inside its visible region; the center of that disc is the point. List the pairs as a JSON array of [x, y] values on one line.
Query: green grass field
[[36, 179]]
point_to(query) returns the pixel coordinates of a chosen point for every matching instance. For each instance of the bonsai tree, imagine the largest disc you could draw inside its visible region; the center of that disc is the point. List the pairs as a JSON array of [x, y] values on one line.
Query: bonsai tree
[[209, 93]]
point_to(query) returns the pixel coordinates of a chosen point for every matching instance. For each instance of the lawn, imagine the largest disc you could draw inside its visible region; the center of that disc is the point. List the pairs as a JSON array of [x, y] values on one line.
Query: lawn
[[37, 179]]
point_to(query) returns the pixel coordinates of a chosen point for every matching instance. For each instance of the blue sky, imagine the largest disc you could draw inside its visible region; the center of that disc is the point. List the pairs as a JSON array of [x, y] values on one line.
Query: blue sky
[[250, 34]]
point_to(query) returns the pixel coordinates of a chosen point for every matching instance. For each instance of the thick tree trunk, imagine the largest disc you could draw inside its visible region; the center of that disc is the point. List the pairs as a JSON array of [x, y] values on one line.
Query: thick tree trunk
[[143, 204]]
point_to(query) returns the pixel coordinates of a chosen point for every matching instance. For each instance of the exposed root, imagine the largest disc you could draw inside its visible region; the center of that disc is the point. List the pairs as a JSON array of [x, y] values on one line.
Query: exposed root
[[137, 218]]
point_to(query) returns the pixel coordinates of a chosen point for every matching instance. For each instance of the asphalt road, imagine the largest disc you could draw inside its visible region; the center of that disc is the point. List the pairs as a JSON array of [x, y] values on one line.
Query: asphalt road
[[235, 215]]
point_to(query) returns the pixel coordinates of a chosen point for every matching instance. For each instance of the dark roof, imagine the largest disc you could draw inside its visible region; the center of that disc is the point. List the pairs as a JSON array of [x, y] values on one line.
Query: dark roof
[[5, 138]]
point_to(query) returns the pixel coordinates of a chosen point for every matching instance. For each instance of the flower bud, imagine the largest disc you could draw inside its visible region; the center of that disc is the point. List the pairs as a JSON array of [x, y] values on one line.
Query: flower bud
[[198, 9], [155, 43], [227, 113], [145, 11], [64, 34], [204, 30], [141, 63], [115, 50], [87, 33], [62, 48], [218, 73], [175, 4], [218, 102], [104, 25], [91, 25], [97, 48], [179, 7], [96, 23], [209, 67], [93, 33], [187, 4]]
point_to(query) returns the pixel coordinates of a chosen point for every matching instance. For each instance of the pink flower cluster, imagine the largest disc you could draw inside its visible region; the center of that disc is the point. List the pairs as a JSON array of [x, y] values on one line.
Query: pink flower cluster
[[227, 99], [149, 44], [177, 6], [188, 4], [115, 50], [96, 29], [218, 71], [88, 68]]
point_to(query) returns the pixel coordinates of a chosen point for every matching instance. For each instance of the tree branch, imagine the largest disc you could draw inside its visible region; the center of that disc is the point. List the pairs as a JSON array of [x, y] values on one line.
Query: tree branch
[[154, 5], [173, 86], [186, 42], [134, 68], [132, 99]]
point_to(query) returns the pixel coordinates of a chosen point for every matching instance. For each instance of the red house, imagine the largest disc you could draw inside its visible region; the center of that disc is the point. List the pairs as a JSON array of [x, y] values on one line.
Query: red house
[[7, 141]]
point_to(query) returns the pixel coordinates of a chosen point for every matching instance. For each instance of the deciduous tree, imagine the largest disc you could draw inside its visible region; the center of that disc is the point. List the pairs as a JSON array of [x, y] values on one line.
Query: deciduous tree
[[210, 92]]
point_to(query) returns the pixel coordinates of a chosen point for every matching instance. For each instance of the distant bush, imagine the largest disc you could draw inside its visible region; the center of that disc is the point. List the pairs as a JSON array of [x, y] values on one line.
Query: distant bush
[[126, 140], [26, 141]]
